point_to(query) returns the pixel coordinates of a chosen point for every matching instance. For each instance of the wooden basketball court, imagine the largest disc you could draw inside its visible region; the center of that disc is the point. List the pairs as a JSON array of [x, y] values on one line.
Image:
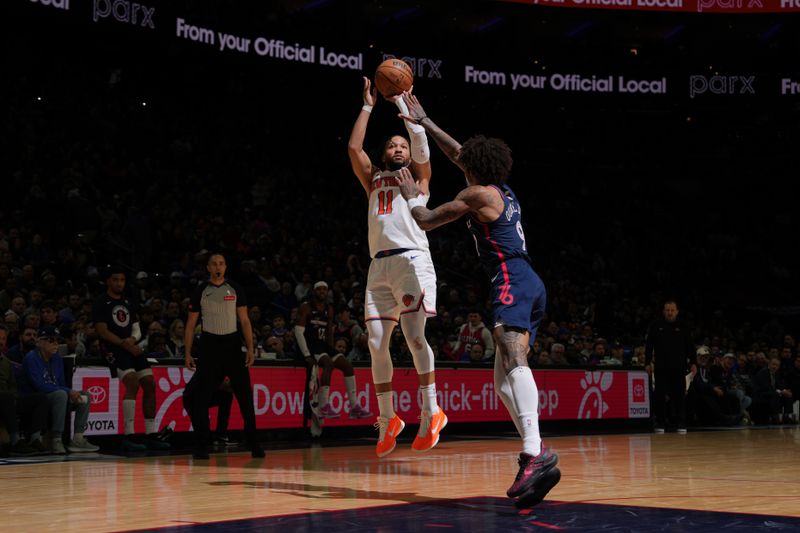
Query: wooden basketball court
[[607, 480]]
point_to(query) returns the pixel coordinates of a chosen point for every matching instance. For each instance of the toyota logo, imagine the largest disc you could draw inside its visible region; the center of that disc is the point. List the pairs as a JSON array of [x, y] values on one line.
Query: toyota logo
[[638, 389], [97, 393]]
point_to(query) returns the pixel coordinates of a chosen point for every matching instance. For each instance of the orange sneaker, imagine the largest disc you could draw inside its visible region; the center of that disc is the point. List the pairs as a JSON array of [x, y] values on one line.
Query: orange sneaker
[[429, 428], [388, 430]]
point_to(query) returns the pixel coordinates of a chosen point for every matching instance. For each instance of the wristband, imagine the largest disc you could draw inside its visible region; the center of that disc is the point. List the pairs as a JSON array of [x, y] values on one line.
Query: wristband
[[419, 201], [367, 108]]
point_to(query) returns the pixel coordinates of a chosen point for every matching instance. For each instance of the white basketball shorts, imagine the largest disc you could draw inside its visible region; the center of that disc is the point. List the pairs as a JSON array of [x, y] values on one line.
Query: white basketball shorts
[[399, 284]]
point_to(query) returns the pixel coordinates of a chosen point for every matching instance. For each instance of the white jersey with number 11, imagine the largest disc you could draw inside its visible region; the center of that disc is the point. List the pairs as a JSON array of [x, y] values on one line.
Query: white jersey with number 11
[[391, 225]]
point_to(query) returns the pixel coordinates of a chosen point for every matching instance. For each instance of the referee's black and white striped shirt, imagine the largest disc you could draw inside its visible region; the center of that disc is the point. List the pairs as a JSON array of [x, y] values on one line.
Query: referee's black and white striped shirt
[[217, 306]]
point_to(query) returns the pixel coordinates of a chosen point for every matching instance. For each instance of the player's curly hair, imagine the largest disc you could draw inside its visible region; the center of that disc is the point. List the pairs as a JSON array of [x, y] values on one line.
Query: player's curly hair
[[487, 159]]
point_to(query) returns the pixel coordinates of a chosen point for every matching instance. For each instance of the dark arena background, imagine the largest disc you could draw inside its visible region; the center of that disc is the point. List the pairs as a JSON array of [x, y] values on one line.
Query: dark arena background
[[655, 147]]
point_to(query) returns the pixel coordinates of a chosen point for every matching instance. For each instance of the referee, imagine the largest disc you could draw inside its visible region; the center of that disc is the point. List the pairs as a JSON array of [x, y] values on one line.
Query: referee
[[220, 302]]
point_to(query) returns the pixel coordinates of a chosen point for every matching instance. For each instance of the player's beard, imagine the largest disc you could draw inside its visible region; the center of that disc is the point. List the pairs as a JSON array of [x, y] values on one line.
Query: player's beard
[[397, 165]]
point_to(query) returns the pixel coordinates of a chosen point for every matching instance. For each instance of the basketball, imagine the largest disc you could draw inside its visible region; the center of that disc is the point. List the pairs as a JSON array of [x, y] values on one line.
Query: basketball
[[393, 76]]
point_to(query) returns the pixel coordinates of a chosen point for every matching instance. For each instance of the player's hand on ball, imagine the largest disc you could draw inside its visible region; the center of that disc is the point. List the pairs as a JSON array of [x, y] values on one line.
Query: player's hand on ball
[[415, 111], [370, 93], [408, 187]]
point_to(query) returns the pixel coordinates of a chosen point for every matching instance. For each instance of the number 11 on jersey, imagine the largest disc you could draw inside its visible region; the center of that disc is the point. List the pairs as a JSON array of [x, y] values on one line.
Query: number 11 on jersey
[[385, 202]]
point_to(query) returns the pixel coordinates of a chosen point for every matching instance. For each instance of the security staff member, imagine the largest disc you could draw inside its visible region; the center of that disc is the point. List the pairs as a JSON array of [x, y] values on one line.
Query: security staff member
[[670, 343], [220, 302]]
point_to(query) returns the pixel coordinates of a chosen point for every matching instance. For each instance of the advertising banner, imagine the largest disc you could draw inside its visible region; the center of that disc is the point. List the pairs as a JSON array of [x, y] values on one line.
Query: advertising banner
[[467, 395], [164, 25], [682, 6]]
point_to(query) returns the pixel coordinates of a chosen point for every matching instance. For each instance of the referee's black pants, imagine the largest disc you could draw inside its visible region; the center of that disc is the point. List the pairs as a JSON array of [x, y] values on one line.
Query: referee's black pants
[[221, 356]]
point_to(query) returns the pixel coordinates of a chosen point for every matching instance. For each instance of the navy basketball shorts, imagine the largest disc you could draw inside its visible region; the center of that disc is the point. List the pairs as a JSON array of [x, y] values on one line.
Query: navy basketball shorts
[[518, 296], [126, 363]]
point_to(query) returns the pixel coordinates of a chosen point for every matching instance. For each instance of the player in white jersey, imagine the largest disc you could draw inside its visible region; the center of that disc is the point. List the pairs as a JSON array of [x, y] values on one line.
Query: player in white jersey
[[401, 284]]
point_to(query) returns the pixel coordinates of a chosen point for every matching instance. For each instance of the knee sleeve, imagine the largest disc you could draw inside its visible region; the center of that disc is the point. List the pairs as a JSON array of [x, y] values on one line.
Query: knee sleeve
[[413, 325], [380, 334]]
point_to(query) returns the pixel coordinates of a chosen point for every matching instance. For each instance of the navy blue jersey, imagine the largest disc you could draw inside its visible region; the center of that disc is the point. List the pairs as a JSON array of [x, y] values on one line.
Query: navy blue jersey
[[118, 314], [501, 240], [317, 328], [519, 297]]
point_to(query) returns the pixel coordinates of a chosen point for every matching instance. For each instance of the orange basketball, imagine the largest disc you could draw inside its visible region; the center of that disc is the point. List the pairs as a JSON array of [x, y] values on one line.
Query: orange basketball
[[393, 76]]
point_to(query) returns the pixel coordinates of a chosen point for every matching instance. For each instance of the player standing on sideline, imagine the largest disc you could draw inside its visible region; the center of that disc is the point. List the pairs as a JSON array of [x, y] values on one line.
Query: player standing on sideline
[[314, 336], [519, 294], [220, 302], [401, 284], [117, 324]]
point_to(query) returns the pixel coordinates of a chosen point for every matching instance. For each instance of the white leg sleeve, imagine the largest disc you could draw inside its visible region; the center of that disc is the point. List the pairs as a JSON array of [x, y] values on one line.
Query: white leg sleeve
[[526, 401], [413, 325], [503, 390], [350, 385], [324, 395], [128, 415], [380, 334], [420, 152]]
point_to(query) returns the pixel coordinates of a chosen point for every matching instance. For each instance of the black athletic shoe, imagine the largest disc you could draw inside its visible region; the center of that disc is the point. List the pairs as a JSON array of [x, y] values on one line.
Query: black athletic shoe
[[153, 442], [222, 441], [545, 484], [531, 470], [164, 435]]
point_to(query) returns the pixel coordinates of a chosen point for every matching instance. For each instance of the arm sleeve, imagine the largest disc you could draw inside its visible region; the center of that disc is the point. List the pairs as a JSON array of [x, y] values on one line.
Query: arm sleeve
[[300, 338], [136, 331], [420, 152]]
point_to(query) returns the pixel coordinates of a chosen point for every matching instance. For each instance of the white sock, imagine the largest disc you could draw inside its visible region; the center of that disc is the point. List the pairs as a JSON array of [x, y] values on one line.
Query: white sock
[[526, 402], [429, 398], [350, 384], [128, 415], [77, 436], [149, 425], [385, 404], [324, 393]]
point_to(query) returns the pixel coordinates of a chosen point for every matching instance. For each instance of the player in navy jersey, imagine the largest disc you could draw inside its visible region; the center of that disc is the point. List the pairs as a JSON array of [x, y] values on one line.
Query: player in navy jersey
[[116, 322], [314, 336], [519, 297]]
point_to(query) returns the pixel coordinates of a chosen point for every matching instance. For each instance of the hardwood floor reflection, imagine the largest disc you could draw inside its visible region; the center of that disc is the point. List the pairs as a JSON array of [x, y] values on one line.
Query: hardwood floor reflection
[[750, 471]]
